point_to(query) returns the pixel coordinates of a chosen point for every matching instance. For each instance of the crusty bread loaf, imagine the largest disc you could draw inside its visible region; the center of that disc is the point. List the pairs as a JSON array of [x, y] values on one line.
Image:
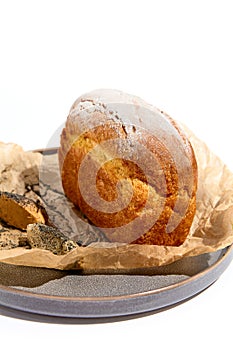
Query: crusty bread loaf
[[129, 168]]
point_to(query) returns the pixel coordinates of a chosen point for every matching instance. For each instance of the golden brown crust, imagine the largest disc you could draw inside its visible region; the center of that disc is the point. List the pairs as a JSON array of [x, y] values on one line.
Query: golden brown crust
[[177, 200], [19, 211]]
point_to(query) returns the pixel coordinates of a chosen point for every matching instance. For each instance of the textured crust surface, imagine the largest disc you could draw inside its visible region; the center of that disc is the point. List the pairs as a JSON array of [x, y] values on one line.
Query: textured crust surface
[[89, 124], [11, 238], [49, 238]]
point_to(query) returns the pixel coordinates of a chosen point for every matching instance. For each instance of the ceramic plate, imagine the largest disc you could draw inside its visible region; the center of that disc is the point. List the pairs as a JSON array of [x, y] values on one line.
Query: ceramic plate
[[70, 294]]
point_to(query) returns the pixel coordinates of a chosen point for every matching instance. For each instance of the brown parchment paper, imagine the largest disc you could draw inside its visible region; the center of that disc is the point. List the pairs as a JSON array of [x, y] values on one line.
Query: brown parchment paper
[[212, 227]]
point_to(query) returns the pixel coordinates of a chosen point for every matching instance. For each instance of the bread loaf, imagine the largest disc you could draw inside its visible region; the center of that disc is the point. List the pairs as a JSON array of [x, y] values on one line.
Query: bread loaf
[[129, 168]]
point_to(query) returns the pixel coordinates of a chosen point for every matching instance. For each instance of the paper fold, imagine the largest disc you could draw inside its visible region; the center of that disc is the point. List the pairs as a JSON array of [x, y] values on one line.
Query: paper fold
[[212, 227]]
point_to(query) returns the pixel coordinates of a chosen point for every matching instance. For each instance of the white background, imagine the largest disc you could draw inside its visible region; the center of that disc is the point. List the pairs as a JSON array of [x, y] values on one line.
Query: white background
[[176, 55]]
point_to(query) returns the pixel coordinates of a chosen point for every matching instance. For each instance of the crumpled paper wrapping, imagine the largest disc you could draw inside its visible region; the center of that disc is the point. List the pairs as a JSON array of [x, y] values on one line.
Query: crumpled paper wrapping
[[212, 227]]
